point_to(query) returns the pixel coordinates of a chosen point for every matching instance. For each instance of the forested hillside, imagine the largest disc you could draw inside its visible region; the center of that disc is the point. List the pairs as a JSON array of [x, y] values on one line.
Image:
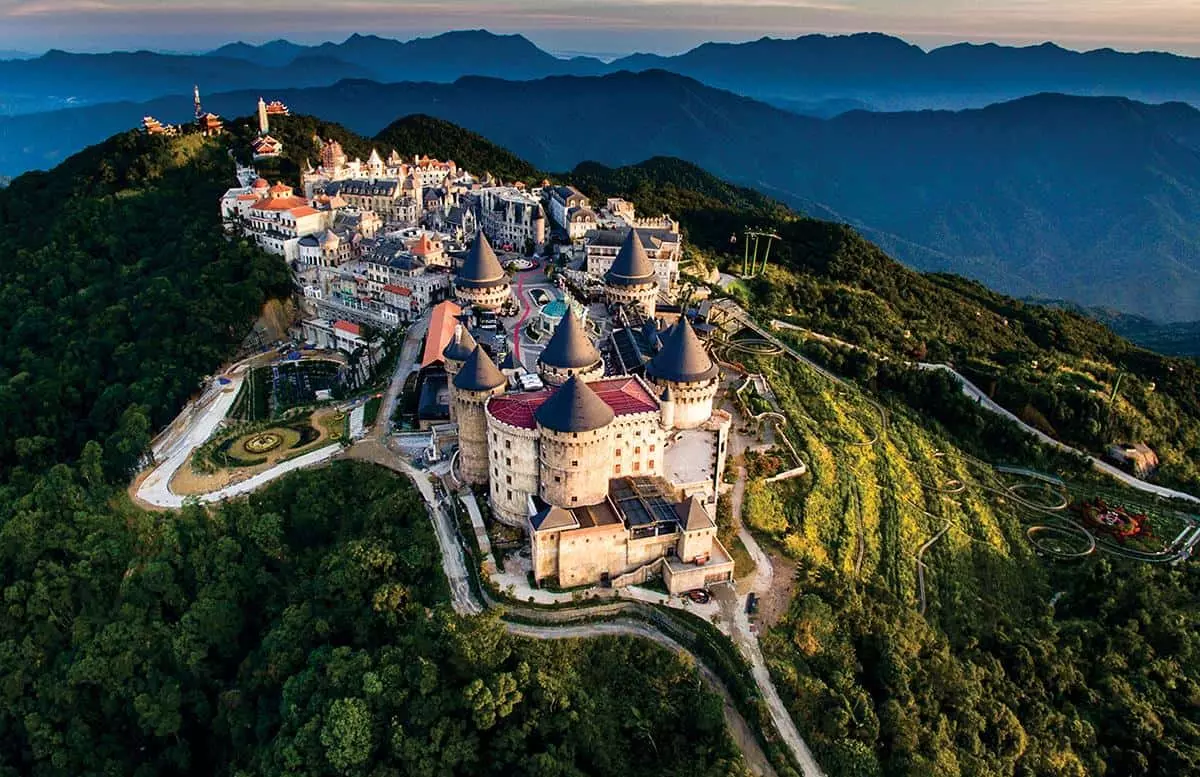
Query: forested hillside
[[120, 293], [281, 634]]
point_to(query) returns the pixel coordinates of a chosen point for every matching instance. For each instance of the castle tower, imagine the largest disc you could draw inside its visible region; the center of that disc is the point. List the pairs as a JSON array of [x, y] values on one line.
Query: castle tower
[[481, 281], [455, 354], [576, 448], [685, 370], [631, 278], [263, 124], [196, 101], [569, 352], [477, 380], [375, 164]]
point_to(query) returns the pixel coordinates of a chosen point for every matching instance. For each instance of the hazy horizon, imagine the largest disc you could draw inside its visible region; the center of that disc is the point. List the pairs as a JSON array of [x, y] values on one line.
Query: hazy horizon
[[606, 28]]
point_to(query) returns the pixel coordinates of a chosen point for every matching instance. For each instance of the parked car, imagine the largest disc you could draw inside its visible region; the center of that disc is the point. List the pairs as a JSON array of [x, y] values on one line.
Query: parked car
[[699, 596], [751, 603]]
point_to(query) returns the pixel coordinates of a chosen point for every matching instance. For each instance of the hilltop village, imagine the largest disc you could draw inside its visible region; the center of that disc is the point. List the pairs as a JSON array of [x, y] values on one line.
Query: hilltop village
[[557, 371]]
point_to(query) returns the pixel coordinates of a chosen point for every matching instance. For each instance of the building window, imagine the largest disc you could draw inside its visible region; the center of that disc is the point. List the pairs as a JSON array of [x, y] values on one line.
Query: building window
[[617, 452], [557, 478], [637, 449], [507, 462], [652, 449], [651, 464], [637, 466], [508, 443], [575, 463], [574, 499], [617, 469]]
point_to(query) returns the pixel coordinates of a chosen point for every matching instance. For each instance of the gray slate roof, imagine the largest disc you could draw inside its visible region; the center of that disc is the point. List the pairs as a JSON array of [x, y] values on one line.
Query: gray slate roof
[[481, 269], [569, 346], [479, 373], [553, 517], [682, 358], [460, 346], [631, 267], [692, 515], [574, 407]]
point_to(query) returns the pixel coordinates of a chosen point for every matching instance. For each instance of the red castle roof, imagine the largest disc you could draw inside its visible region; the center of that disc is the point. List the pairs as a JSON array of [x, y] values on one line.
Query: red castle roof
[[625, 395]]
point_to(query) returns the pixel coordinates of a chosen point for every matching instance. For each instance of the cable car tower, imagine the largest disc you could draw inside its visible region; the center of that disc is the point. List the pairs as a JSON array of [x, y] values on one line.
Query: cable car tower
[[750, 267]]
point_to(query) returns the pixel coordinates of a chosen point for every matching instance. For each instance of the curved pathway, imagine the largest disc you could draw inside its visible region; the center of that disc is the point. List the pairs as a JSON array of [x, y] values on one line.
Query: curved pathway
[[739, 729]]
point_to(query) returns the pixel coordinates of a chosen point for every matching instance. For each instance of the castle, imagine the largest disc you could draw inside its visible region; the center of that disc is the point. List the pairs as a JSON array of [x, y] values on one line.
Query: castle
[[586, 465]]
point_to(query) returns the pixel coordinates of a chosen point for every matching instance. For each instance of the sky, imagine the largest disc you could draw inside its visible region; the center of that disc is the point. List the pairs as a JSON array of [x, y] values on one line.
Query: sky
[[602, 27]]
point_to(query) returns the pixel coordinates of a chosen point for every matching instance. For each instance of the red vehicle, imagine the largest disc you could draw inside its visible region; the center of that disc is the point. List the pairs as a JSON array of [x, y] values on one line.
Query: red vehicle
[[699, 596]]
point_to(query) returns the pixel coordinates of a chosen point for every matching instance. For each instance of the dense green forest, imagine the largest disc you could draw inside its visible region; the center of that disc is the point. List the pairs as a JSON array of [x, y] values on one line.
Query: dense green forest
[[120, 293], [284, 634]]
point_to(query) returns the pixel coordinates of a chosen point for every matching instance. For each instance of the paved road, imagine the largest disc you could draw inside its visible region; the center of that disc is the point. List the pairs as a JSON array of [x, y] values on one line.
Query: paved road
[[986, 402], [739, 729], [410, 351]]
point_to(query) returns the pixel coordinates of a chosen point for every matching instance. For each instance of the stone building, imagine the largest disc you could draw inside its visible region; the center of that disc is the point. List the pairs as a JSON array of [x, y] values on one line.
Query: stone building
[[569, 352], [481, 281], [476, 381], [685, 375], [631, 279]]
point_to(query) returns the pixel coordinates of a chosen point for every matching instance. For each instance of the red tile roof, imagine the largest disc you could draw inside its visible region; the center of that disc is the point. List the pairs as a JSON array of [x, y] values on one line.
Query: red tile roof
[[441, 331], [401, 290], [347, 326], [625, 395], [303, 210], [280, 203]]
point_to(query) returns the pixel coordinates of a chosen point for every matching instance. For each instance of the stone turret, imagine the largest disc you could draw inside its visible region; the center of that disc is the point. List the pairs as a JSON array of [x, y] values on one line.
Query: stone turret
[[575, 426], [683, 370], [631, 278], [481, 281], [569, 352], [477, 380], [456, 352]]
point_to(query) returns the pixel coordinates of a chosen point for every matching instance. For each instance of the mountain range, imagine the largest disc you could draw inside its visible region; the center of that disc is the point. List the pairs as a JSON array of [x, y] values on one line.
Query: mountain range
[[817, 74], [1095, 200]]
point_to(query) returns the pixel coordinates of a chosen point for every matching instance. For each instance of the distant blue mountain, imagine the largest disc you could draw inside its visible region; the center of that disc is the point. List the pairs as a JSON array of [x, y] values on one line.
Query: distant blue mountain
[[814, 74]]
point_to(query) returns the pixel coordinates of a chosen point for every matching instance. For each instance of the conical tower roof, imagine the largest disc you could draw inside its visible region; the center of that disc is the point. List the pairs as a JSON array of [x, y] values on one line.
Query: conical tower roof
[[692, 515], [631, 267], [569, 346], [682, 358], [479, 373], [574, 407], [460, 346], [481, 268]]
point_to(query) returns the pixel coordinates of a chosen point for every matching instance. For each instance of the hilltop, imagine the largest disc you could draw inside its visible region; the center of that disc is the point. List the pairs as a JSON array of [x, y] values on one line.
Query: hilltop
[[1088, 199]]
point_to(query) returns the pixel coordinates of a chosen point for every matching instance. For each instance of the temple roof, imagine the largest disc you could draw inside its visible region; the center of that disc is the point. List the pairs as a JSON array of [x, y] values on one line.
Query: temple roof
[[481, 268], [479, 373], [569, 346], [682, 358], [574, 408], [461, 345], [632, 266]]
